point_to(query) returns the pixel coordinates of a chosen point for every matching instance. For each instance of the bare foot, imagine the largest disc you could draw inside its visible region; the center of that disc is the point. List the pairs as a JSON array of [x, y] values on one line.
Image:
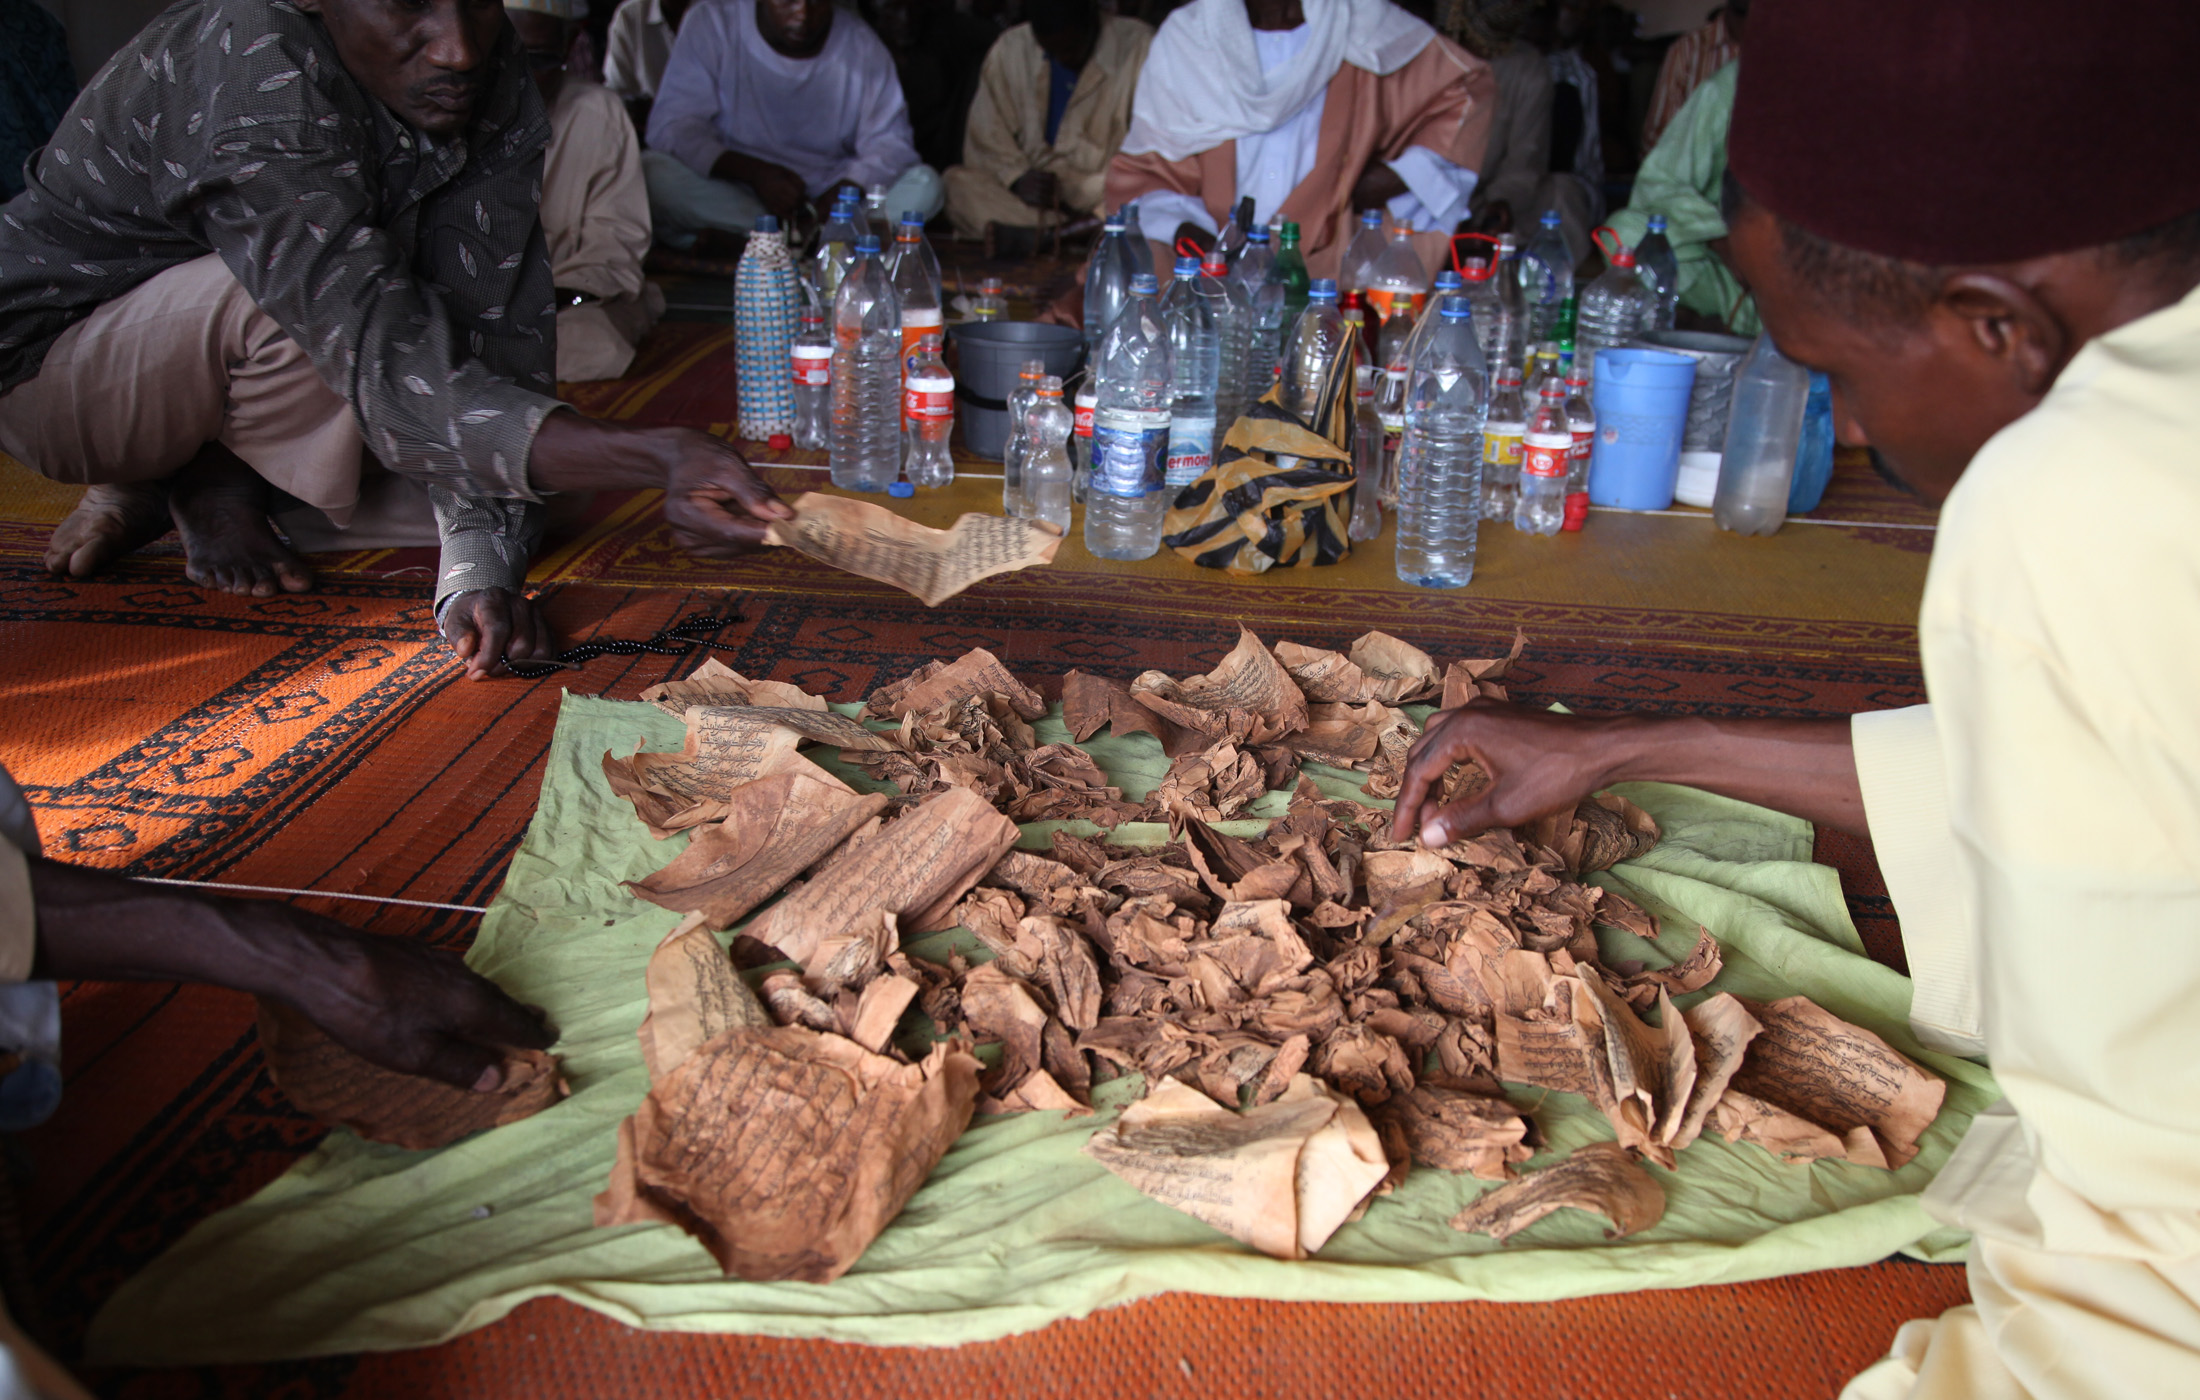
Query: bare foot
[[220, 509], [109, 522]]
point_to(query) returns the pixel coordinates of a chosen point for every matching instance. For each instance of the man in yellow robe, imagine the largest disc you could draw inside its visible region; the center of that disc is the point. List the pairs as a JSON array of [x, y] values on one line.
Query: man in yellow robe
[[1993, 254], [1053, 104]]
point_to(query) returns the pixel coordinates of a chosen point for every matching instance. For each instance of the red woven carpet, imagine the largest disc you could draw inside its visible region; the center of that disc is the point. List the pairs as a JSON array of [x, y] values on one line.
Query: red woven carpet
[[323, 742]]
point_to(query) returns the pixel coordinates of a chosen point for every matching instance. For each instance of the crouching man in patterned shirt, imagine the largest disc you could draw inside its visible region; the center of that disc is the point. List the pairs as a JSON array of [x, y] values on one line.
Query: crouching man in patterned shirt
[[284, 257]]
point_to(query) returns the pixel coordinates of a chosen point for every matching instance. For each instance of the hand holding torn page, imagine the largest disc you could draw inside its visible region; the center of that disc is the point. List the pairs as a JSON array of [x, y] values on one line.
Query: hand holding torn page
[[330, 1083], [874, 543], [1281, 1177]]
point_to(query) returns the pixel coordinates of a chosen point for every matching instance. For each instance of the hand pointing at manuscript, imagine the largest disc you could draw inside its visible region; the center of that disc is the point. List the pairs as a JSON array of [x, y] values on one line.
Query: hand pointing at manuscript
[[715, 505]]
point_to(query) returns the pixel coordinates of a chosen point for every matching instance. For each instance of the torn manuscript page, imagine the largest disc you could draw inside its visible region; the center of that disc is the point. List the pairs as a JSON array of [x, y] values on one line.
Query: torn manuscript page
[[1281, 1177], [1600, 1178], [774, 829], [873, 542]]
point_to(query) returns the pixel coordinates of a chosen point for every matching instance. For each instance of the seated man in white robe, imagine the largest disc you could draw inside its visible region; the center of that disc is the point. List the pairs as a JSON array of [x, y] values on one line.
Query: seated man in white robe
[[772, 106]]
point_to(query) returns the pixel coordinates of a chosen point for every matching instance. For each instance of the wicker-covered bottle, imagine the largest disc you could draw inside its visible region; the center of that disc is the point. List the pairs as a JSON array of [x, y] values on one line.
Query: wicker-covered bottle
[[764, 298]]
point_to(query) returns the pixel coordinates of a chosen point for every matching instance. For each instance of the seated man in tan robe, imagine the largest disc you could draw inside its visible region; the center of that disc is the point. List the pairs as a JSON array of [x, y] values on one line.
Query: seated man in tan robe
[[1313, 109], [1053, 104], [595, 207]]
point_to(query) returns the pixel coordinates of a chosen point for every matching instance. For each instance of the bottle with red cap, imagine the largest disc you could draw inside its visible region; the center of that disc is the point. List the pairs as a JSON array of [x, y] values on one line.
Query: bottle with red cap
[[1497, 325], [1502, 439], [1546, 451], [813, 380], [1615, 309], [1581, 421], [928, 408]]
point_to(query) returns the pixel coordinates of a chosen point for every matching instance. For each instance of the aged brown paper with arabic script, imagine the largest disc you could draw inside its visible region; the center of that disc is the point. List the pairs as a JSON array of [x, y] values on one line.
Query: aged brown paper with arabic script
[[784, 1151], [874, 543], [1600, 1178], [1281, 1177], [1843, 1078], [695, 995], [1248, 697], [915, 868], [716, 683], [775, 828]]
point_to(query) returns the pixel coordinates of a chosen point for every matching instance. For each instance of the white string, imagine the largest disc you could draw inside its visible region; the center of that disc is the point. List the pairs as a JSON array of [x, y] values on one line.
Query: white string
[[316, 894], [1792, 520]]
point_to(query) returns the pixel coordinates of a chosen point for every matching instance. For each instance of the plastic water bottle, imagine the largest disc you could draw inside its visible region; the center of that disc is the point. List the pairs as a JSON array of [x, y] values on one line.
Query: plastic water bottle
[[1546, 276], [989, 304], [1234, 330], [1615, 309], [1290, 270], [1396, 279], [1126, 498], [1440, 488], [1545, 457], [1515, 298], [1231, 241], [1017, 450], [813, 381], [1356, 272], [764, 298], [1495, 326], [1503, 436], [865, 452], [1581, 421], [835, 252], [1107, 282], [1265, 295], [1660, 270], [1088, 404], [928, 410], [874, 210], [1195, 356], [1762, 435], [1136, 248], [1047, 472], [916, 274], [1369, 462], [1310, 357]]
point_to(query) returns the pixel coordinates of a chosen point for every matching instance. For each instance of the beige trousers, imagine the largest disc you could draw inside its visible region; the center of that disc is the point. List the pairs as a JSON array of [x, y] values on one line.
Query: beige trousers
[[134, 390]]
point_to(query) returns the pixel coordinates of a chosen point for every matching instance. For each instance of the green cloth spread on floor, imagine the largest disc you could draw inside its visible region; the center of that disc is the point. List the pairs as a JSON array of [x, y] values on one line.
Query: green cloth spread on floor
[[360, 1247]]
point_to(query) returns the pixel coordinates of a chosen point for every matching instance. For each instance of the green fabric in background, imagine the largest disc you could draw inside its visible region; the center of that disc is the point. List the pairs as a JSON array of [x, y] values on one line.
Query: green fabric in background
[[360, 1247]]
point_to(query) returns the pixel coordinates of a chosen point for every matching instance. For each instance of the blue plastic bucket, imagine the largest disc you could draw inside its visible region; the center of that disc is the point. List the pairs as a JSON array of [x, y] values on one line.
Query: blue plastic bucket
[[1814, 454], [1642, 409]]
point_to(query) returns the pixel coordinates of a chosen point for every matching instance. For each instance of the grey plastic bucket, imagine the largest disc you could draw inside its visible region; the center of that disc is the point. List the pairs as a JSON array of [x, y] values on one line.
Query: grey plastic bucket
[[991, 355], [1712, 397]]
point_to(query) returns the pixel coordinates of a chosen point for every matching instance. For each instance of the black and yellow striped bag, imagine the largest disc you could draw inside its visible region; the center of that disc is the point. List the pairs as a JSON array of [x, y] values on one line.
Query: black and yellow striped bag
[[1280, 491]]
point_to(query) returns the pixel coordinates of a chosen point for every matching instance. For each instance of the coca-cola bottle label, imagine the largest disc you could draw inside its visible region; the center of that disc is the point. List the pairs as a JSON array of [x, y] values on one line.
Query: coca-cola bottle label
[[928, 397], [813, 365], [1084, 417]]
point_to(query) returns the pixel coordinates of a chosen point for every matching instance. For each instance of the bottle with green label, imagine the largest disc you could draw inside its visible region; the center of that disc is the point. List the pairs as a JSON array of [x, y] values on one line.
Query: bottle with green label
[[1290, 272]]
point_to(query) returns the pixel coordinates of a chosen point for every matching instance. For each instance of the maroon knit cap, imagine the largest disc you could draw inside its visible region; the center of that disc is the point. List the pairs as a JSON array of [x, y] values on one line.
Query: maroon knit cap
[[1970, 131]]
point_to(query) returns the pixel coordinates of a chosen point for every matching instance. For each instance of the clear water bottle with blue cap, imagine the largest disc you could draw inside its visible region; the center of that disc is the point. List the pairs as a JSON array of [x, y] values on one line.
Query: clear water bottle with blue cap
[[1127, 495], [1195, 357], [1546, 278], [1440, 481], [865, 451], [1108, 274], [1659, 267], [1312, 355], [1357, 268], [1265, 348], [835, 251]]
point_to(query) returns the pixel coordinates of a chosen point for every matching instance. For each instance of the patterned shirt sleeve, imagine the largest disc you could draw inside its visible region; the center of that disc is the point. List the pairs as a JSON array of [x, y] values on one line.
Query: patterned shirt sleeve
[[315, 255]]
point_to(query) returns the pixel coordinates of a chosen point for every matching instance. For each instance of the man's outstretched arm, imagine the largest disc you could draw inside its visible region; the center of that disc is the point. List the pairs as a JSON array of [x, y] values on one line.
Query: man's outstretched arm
[[1541, 762], [404, 1006]]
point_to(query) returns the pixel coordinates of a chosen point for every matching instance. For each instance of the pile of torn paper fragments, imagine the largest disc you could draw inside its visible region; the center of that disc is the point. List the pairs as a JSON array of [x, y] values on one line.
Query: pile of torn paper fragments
[[1315, 1010]]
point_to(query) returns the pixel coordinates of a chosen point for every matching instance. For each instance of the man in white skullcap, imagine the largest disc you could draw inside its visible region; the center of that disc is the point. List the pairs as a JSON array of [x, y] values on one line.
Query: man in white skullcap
[[595, 207]]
